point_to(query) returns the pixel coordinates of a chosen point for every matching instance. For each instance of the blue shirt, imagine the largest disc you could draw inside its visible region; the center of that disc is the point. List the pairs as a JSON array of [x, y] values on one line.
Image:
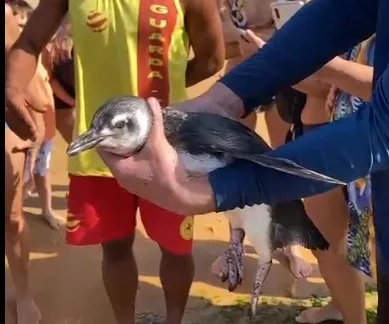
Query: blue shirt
[[319, 31]]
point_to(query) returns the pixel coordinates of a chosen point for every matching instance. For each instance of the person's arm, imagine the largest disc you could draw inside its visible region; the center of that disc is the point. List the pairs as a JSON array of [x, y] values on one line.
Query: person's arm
[[22, 62], [350, 77], [309, 85], [346, 150], [61, 93], [203, 24], [19, 120]]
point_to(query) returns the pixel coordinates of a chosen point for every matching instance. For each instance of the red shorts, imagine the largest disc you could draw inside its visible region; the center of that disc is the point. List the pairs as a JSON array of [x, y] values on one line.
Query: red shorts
[[100, 211]]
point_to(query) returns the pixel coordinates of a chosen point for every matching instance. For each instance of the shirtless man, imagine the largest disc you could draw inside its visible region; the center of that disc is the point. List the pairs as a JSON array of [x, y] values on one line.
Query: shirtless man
[[139, 48], [16, 236]]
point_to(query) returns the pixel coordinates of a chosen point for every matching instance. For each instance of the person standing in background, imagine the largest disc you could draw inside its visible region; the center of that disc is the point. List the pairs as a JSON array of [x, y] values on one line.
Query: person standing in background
[[62, 80], [37, 166], [33, 105]]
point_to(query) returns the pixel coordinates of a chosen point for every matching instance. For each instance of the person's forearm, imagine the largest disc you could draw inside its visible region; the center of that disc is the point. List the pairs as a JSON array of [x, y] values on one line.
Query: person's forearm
[[194, 196], [312, 87], [24, 54], [346, 150], [292, 54], [12, 33], [61, 93], [199, 70], [348, 76]]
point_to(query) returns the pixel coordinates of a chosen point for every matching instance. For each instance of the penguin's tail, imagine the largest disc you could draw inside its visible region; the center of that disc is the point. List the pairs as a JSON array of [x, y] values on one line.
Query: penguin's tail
[[291, 225]]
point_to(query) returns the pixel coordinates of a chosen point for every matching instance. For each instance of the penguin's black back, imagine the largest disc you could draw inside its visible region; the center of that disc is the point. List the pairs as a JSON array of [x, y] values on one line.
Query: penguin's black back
[[205, 133]]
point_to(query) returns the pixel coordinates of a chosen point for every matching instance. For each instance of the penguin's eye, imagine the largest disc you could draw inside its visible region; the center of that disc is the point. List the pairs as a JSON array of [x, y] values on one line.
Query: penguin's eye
[[120, 124]]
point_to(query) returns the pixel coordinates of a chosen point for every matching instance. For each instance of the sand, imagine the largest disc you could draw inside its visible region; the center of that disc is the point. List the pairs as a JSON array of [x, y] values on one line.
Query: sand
[[66, 281]]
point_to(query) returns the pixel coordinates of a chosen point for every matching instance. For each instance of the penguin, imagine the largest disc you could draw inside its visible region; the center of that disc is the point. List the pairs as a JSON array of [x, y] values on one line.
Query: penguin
[[205, 142]]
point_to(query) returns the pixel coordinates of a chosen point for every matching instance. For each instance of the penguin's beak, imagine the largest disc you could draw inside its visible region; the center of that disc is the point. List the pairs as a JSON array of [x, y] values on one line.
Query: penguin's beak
[[84, 142]]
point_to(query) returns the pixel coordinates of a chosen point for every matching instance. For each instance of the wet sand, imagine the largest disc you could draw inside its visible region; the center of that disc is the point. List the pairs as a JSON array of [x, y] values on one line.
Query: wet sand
[[66, 281]]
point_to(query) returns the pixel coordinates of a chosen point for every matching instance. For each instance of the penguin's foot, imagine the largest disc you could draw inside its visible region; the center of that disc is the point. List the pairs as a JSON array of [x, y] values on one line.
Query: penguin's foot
[[232, 265], [263, 269]]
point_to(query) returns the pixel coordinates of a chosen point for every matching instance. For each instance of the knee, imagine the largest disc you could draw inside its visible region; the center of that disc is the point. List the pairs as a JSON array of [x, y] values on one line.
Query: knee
[[335, 252], [174, 257], [14, 224], [118, 251]]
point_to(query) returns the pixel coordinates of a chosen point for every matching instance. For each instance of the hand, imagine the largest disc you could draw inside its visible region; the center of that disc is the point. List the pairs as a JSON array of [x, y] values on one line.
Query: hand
[[155, 173], [18, 117], [219, 99], [23, 146], [251, 37]]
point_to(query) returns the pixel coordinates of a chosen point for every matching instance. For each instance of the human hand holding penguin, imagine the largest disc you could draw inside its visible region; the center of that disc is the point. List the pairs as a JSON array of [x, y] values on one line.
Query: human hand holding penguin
[[155, 172], [165, 156]]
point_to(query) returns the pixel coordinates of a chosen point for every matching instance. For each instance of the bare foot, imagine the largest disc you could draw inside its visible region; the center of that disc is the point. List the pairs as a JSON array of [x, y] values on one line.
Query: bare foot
[[316, 315], [29, 187], [217, 267], [297, 264], [52, 220], [27, 311]]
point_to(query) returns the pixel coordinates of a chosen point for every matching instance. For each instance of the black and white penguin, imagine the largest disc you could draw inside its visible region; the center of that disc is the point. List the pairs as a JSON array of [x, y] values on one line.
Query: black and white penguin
[[205, 142]]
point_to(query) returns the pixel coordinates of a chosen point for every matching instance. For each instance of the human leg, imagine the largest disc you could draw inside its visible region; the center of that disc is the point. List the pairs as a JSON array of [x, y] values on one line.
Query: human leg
[[16, 231], [174, 234], [65, 122], [43, 183], [329, 213], [120, 276], [101, 212]]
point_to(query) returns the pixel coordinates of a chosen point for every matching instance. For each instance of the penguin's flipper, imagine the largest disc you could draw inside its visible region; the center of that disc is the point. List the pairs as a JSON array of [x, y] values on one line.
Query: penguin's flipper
[[288, 166], [201, 133]]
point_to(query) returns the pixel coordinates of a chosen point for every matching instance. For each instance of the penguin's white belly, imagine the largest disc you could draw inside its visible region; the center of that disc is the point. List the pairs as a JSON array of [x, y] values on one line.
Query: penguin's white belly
[[256, 222], [204, 163]]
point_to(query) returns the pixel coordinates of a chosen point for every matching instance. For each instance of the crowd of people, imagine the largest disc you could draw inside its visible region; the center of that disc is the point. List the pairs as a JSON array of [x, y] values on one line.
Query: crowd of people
[[86, 54]]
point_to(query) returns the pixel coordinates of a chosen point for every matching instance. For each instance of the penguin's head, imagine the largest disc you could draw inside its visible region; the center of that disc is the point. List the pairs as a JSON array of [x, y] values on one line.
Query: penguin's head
[[120, 126]]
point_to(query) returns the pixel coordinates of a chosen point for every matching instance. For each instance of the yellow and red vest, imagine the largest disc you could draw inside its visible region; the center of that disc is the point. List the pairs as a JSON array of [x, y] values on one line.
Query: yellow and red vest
[[124, 47]]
